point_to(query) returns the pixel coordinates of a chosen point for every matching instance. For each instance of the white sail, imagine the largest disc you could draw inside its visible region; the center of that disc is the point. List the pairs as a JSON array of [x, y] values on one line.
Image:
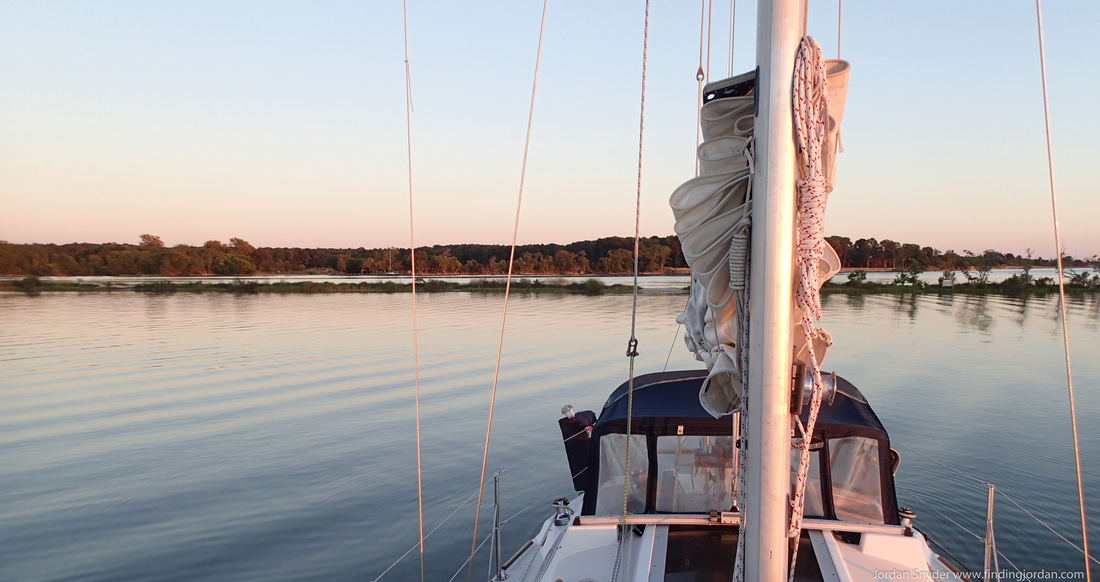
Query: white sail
[[711, 209]]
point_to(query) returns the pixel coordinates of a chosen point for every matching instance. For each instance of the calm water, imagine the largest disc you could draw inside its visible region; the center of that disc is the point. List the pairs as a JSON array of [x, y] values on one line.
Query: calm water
[[272, 437]]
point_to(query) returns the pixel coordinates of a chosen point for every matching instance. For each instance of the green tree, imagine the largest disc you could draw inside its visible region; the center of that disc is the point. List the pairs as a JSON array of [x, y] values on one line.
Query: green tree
[[983, 264], [445, 263], [241, 246], [890, 251], [840, 244], [565, 261], [233, 265], [617, 261], [653, 258], [150, 242]]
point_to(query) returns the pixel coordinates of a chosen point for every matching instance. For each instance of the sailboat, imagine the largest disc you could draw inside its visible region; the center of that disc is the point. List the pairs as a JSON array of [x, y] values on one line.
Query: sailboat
[[761, 466]]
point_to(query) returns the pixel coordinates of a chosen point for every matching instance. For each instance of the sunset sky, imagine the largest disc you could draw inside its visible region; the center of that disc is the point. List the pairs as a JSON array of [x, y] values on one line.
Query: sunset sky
[[283, 123]]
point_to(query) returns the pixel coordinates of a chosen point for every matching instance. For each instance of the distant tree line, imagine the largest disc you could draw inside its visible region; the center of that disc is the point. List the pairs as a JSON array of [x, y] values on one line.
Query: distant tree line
[[868, 253], [611, 255]]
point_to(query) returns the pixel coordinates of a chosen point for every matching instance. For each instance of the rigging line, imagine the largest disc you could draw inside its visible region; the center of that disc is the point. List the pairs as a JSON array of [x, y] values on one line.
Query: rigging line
[[632, 348], [1044, 524], [1062, 292], [529, 506], [675, 336], [699, 76], [955, 469], [805, 17], [839, 12], [999, 492], [526, 459], [412, 266], [1013, 564], [507, 288], [710, 36], [439, 525], [469, 560], [729, 64], [632, 345], [942, 514]]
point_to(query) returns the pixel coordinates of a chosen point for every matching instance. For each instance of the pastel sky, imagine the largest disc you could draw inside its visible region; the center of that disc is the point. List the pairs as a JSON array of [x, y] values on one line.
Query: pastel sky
[[283, 122]]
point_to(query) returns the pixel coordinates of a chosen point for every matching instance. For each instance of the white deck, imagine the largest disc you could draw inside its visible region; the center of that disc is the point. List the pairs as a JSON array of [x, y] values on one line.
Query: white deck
[[586, 549]]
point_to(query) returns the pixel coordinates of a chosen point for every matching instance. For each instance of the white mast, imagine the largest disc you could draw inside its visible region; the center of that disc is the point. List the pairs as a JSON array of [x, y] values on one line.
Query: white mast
[[778, 32]]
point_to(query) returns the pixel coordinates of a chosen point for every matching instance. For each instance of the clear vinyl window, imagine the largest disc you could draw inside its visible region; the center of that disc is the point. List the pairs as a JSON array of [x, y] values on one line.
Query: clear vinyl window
[[609, 497], [813, 506], [694, 474], [855, 473]]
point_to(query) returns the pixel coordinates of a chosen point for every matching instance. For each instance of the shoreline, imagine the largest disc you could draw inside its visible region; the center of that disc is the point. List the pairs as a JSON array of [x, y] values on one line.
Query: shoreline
[[589, 286]]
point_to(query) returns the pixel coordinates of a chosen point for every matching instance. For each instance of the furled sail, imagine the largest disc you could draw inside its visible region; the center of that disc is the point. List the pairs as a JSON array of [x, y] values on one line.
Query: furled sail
[[713, 216]]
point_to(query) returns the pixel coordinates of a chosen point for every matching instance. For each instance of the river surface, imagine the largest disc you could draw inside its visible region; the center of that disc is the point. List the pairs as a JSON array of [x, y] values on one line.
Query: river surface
[[273, 437]]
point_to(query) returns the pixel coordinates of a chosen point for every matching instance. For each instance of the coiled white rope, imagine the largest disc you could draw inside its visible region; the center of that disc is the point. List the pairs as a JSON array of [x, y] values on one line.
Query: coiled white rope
[[811, 106], [507, 290]]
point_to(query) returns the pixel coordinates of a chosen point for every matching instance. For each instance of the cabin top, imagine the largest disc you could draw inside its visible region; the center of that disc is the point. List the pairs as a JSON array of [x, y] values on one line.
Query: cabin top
[[682, 460]]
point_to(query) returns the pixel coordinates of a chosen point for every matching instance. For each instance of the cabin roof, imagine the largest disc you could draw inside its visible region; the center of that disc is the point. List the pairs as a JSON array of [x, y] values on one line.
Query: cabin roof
[[674, 396]]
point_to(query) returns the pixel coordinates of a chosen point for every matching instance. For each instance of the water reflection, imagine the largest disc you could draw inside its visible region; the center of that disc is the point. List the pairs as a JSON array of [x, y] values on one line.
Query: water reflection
[[219, 437], [907, 304], [1094, 314], [1021, 304], [974, 313]]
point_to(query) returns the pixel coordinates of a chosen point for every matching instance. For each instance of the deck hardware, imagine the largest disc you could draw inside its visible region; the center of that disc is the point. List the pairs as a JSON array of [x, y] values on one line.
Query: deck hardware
[[500, 575], [990, 541], [562, 512], [802, 387], [907, 516]]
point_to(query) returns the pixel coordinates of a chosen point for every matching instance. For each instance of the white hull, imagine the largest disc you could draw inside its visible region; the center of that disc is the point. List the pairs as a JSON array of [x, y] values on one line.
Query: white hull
[[586, 548]]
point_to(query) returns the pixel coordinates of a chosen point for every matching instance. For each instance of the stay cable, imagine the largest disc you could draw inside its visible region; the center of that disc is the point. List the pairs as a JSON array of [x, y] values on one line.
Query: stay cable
[[507, 292]]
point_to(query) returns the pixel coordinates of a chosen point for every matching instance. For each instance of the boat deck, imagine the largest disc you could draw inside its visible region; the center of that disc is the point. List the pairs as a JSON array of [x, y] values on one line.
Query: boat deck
[[706, 554]]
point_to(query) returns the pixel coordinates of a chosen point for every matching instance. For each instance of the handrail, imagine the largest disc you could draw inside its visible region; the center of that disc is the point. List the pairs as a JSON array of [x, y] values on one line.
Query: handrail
[[703, 519]]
